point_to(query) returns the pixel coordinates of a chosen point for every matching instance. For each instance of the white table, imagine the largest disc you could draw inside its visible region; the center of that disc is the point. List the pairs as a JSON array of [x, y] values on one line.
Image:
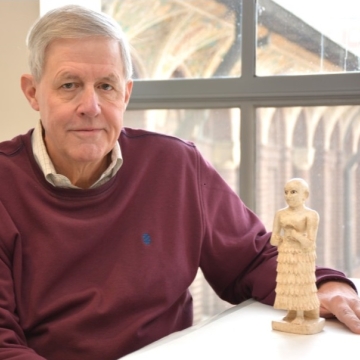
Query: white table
[[244, 331]]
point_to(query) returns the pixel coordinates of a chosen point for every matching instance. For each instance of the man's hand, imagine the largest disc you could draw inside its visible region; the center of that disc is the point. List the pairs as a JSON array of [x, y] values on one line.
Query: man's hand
[[340, 300]]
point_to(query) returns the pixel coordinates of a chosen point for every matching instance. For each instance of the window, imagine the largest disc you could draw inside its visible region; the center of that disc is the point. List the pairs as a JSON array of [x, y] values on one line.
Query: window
[[307, 37], [171, 39], [320, 144]]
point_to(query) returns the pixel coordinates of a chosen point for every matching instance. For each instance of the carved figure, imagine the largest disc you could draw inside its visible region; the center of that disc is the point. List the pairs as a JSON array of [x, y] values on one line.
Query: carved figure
[[294, 233]]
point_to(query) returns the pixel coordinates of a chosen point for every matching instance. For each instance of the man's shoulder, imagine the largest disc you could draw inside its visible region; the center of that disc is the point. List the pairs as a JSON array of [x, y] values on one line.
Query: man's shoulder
[[11, 151], [157, 138], [157, 149], [11, 147]]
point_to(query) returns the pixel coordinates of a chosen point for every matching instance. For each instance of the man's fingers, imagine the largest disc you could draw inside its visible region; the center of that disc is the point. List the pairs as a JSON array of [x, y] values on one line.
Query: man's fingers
[[345, 308], [350, 316], [341, 301]]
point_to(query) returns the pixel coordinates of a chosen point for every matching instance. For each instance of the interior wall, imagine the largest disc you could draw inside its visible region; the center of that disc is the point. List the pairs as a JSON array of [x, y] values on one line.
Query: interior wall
[[16, 17]]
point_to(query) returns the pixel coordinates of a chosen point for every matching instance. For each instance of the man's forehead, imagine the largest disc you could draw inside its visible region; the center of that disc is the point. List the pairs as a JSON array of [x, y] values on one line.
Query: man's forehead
[[79, 58], [97, 49]]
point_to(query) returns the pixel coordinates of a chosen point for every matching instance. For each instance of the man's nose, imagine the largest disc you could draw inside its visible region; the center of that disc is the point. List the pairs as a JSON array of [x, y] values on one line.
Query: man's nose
[[89, 103]]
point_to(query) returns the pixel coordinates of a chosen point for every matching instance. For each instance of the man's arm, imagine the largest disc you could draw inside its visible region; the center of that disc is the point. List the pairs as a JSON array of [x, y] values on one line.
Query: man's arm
[[12, 339], [13, 343]]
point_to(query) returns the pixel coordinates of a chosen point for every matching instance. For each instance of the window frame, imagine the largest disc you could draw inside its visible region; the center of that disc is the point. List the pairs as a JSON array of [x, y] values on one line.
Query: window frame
[[247, 92]]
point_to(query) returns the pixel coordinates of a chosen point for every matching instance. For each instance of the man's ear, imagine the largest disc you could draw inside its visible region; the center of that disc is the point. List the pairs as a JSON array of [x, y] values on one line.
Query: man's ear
[[28, 86], [128, 90]]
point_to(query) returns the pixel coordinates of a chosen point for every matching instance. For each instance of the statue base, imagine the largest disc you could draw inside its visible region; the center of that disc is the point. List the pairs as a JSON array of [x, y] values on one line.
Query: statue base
[[308, 327]]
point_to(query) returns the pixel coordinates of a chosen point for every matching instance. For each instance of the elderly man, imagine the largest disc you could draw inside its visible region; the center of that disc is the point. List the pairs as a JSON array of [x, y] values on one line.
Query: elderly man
[[103, 228]]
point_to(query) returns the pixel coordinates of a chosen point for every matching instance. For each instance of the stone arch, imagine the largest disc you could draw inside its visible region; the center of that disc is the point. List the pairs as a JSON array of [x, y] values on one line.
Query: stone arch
[[335, 143], [302, 151], [272, 159]]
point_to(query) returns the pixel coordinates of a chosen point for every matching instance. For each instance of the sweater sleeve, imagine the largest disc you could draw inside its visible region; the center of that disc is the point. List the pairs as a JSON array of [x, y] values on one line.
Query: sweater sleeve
[[12, 338], [237, 258]]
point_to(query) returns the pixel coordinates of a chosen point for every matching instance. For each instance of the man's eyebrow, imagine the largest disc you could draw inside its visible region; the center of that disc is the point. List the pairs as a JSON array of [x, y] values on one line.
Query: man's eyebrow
[[67, 76], [110, 78], [71, 76]]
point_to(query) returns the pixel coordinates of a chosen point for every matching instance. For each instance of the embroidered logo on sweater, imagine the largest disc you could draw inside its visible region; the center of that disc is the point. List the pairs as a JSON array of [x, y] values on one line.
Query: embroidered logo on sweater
[[146, 239]]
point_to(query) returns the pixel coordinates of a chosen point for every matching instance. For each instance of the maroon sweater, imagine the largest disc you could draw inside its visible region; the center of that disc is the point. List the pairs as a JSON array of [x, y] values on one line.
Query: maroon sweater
[[96, 274]]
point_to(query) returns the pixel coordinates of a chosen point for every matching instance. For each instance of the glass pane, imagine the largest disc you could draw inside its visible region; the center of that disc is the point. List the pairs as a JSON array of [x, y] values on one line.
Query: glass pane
[[181, 39], [307, 37], [322, 146], [216, 133]]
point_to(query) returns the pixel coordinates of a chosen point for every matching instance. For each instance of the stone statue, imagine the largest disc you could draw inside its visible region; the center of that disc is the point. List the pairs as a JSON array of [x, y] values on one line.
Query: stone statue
[[294, 233]]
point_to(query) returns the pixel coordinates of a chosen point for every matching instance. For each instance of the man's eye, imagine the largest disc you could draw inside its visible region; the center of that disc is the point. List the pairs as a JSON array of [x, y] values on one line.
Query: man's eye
[[68, 86], [106, 87]]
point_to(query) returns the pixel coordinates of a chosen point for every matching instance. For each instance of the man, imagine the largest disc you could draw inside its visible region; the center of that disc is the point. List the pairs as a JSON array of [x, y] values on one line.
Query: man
[[103, 228]]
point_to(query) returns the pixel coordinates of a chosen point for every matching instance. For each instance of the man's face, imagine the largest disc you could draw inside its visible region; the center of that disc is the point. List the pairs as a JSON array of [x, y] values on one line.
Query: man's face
[[81, 97]]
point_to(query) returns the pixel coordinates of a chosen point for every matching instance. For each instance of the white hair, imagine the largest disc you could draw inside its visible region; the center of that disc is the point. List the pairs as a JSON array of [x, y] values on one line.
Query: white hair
[[73, 22]]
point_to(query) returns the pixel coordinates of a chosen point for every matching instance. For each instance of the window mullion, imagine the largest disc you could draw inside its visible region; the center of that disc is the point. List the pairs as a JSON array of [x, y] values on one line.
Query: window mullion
[[247, 173], [248, 50]]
